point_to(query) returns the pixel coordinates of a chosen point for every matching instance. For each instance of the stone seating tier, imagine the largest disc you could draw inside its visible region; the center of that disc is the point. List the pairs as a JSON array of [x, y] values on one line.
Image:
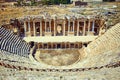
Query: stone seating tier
[[12, 43], [109, 41]]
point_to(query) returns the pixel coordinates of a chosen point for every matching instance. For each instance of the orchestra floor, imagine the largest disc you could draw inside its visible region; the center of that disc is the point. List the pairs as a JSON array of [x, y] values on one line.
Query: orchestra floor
[[58, 57]]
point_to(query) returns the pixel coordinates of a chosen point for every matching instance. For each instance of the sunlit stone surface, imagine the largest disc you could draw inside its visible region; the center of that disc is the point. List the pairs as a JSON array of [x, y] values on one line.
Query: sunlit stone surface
[[60, 42]]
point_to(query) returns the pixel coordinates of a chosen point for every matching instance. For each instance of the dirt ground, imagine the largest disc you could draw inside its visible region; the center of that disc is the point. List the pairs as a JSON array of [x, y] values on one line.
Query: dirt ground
[[15, 12], [59, 57]]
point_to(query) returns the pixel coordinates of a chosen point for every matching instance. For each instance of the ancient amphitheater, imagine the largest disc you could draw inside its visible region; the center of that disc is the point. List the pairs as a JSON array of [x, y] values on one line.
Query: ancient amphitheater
[[60, 45], [100, 60]]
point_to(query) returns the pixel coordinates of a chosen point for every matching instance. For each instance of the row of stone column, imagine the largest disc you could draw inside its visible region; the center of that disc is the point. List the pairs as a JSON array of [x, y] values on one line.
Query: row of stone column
[[59, 45], [64, 24]]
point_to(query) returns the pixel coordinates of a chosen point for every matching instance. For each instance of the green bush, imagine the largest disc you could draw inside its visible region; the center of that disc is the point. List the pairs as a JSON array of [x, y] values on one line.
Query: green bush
[[52, 2]]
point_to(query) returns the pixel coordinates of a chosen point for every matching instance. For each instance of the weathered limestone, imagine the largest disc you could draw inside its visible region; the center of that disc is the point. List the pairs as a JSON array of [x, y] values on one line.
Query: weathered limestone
[[34, 28], [84, 28], [64, 29], [88, 26], [93, 25], [25, 28], [29, 28], [108, 41], [70, 26]]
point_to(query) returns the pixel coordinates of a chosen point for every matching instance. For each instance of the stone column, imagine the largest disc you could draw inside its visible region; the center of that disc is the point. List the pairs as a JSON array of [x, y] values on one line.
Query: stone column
[[93, 26], [69, 44], [68, 27], [29, 28], [34, 28], [74, 45], [60, 45], [64, 29], [89, 26], [56, 45], [78, 45], [38, 45], [42, 45], [47, 45], [65, 45], [52, 45], [25, 28], [78, 28], [84, 27], [54, 28], [40, 28]]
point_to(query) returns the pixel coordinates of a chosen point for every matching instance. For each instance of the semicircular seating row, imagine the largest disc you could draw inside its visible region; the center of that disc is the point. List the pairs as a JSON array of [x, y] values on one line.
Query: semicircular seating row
[[16, 60], [12, 43], [108, 41]]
